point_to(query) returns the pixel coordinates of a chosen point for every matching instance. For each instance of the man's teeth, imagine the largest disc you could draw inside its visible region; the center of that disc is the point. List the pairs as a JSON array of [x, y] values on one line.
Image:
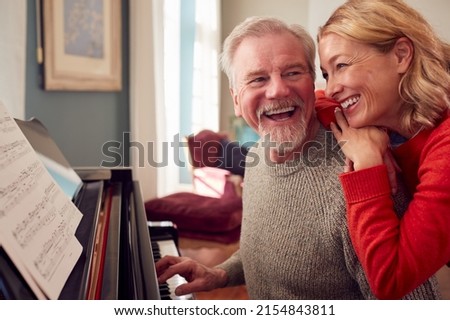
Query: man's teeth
[[278, 111], [349, 102]]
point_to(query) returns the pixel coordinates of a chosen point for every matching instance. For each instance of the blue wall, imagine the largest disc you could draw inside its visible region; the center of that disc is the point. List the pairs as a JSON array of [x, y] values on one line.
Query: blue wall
[[79, 122]]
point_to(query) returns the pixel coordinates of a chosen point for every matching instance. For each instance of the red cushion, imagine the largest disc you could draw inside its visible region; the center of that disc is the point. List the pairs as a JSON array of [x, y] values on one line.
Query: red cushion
[[193, 212], [205, 148]]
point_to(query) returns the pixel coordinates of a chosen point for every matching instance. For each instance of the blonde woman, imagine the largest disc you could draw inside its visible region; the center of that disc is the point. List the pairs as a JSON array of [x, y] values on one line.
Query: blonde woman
[[389, 71]]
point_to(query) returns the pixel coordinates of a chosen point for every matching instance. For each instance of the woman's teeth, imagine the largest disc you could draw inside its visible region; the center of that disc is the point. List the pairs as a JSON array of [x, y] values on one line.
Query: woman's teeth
[[349, 102]]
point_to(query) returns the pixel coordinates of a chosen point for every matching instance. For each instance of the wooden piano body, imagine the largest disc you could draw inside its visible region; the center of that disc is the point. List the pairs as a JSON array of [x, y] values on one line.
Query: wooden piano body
[[128, 271]]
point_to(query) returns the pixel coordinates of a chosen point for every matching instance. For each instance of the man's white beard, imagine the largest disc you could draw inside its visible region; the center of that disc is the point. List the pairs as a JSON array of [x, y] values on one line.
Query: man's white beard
[[285, 137]]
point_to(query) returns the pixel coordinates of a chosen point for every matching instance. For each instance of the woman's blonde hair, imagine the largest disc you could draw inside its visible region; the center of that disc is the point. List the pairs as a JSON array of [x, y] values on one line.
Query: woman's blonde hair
[[425, 87], [258, 27]]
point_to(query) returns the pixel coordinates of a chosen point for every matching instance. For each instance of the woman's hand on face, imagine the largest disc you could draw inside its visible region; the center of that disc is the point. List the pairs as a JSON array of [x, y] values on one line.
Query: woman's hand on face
[[364, 147]]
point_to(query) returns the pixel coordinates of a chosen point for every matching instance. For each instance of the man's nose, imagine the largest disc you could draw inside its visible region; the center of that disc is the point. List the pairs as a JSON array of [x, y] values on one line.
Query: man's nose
[[278, 88]]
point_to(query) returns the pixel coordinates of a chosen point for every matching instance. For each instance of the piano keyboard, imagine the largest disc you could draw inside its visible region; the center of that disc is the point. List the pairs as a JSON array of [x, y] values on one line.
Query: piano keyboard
[[167, 290]]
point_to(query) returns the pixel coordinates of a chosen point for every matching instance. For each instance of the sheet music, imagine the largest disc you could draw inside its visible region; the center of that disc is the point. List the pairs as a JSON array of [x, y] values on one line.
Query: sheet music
[[37, 220]]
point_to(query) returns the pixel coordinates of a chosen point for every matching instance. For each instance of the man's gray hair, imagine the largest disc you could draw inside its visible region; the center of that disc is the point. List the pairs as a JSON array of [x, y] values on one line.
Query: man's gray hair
[[258, 27]]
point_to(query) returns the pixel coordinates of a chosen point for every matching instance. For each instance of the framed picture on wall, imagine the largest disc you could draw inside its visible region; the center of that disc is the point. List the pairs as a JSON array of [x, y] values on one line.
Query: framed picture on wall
[[82, 45]]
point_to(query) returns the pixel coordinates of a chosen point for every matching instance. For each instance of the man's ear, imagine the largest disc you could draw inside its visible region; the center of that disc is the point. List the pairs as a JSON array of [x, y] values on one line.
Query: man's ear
[[404, 51], [237, 107]]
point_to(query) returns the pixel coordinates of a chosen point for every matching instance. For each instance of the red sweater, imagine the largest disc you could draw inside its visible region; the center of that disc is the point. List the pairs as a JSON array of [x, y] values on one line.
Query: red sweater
[[400, 254]]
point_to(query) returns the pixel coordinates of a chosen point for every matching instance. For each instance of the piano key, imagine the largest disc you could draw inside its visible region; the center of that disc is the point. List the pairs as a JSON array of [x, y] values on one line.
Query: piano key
[[164, 291], [160, 249]]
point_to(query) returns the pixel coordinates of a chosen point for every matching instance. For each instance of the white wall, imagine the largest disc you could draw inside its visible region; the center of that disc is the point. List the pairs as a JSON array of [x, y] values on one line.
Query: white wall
[[13, 26], [311, 14], [437, 13]]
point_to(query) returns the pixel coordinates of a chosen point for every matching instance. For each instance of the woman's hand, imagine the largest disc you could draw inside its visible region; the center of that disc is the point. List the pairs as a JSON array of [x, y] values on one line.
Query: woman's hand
[[364, 147]]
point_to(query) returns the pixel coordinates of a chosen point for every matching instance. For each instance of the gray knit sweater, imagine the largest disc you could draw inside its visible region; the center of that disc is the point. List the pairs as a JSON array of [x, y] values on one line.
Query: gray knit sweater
[[294, 239]]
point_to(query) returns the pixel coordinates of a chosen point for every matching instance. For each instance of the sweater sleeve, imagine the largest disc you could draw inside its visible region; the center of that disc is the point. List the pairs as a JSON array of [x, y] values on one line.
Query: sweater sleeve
[[233, 268], [400, 254]]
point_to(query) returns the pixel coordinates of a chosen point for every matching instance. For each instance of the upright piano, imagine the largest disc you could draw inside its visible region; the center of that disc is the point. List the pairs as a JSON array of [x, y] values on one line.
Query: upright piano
[[119, 252]]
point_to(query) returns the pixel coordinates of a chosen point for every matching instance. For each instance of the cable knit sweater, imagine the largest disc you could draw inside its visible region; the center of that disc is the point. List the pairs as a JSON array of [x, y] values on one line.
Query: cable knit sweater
[[294, 240]]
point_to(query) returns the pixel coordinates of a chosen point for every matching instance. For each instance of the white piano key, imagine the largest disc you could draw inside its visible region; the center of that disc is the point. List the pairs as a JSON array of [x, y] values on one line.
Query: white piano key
[[168, 247]]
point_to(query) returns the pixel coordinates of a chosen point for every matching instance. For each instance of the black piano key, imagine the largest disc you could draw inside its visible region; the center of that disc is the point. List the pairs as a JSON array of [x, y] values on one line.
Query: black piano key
[[164, 289]]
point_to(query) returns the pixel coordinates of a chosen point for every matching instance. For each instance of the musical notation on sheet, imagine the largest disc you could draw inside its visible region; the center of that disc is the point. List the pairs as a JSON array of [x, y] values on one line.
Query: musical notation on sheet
[[5, 122], [37, 219], [25, 183], [11, 152]]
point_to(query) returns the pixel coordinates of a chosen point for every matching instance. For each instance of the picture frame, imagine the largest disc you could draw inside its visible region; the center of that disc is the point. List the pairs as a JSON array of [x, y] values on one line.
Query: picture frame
[[82, 45]]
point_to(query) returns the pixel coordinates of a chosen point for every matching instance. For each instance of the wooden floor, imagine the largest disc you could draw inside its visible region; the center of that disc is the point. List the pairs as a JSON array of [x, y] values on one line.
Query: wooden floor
[[211, 254]]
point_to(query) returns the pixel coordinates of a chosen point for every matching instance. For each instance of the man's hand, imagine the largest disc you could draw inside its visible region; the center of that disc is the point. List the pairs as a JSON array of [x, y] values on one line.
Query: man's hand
[[198, 276]]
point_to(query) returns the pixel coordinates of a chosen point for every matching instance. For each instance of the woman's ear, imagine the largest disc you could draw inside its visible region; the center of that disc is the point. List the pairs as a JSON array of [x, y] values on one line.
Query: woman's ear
[[404, 51]]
